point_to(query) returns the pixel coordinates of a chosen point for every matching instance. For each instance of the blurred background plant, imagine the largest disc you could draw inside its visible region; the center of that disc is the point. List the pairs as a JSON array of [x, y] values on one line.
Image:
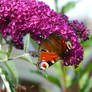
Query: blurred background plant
[[66, 79]]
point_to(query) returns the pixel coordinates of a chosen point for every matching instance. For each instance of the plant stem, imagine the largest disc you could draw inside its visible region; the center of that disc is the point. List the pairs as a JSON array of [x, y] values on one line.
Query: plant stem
[[63, 80]]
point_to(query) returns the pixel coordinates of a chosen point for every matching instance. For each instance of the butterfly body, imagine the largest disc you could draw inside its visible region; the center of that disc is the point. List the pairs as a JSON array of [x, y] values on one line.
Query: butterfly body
[[51, 50]]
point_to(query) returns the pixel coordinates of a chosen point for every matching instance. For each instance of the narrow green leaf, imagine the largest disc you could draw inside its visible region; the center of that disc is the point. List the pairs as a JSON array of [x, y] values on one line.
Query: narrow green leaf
[[9, 50], [27, 58], [54, 80], [57, 67], [12, 70], [68, 6], [3, 56], [50, 78], [82, 81], [6, 80], [26, 42], [10, 83], [88, 85]]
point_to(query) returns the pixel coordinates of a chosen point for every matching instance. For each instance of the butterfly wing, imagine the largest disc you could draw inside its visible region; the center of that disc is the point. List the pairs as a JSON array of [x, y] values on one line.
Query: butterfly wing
[[58, 43], [50, 50]]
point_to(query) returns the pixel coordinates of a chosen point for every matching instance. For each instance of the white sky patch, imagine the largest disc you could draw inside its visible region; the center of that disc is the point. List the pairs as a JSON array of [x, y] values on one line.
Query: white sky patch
[[50, 3], [83, 8]]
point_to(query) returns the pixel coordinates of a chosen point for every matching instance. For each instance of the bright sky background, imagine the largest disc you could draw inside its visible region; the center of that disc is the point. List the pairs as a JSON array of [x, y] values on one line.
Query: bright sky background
[[82, 10]]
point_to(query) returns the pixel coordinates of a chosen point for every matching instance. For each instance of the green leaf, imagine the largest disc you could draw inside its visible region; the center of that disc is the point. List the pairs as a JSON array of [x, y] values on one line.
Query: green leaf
[[10, 83], [27, 58], [26, 42], [88, 85], [50, 78], [34, 43], [9, 50], [57, 67], [87, 68], [87, 43], [3, 56], [54, 80], [83, 80], [12, 70], [6, 80], [68, 6], [82, 70]]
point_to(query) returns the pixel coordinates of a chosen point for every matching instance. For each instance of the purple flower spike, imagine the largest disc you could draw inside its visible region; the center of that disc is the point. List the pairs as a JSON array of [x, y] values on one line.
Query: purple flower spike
[[19, 17], [81, 31]]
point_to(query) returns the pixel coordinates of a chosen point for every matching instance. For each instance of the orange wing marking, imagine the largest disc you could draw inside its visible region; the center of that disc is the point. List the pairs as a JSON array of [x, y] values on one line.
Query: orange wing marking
[[48, 56]]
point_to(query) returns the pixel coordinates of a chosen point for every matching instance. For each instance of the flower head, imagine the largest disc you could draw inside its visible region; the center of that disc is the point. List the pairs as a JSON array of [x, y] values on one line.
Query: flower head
[[19, 17], [81, 31]]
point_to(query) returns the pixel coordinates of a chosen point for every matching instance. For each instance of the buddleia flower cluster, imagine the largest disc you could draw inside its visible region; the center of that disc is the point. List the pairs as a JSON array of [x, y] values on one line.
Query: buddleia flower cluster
[[20, 17]]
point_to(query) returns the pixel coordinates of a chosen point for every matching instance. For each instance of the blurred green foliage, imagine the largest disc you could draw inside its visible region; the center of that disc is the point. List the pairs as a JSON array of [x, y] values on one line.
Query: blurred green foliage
[[50, 78], [68, 7], [87, 43]]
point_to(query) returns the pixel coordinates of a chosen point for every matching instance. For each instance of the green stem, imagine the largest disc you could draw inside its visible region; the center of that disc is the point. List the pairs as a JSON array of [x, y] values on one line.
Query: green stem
[[63, 76]]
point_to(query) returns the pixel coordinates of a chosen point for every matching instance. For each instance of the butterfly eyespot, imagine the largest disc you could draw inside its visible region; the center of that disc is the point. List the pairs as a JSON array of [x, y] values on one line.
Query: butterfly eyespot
[[69, 45], [43, 65]]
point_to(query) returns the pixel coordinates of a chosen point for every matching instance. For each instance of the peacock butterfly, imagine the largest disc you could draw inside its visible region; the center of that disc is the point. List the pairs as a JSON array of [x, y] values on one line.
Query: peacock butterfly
[[52, 49]]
